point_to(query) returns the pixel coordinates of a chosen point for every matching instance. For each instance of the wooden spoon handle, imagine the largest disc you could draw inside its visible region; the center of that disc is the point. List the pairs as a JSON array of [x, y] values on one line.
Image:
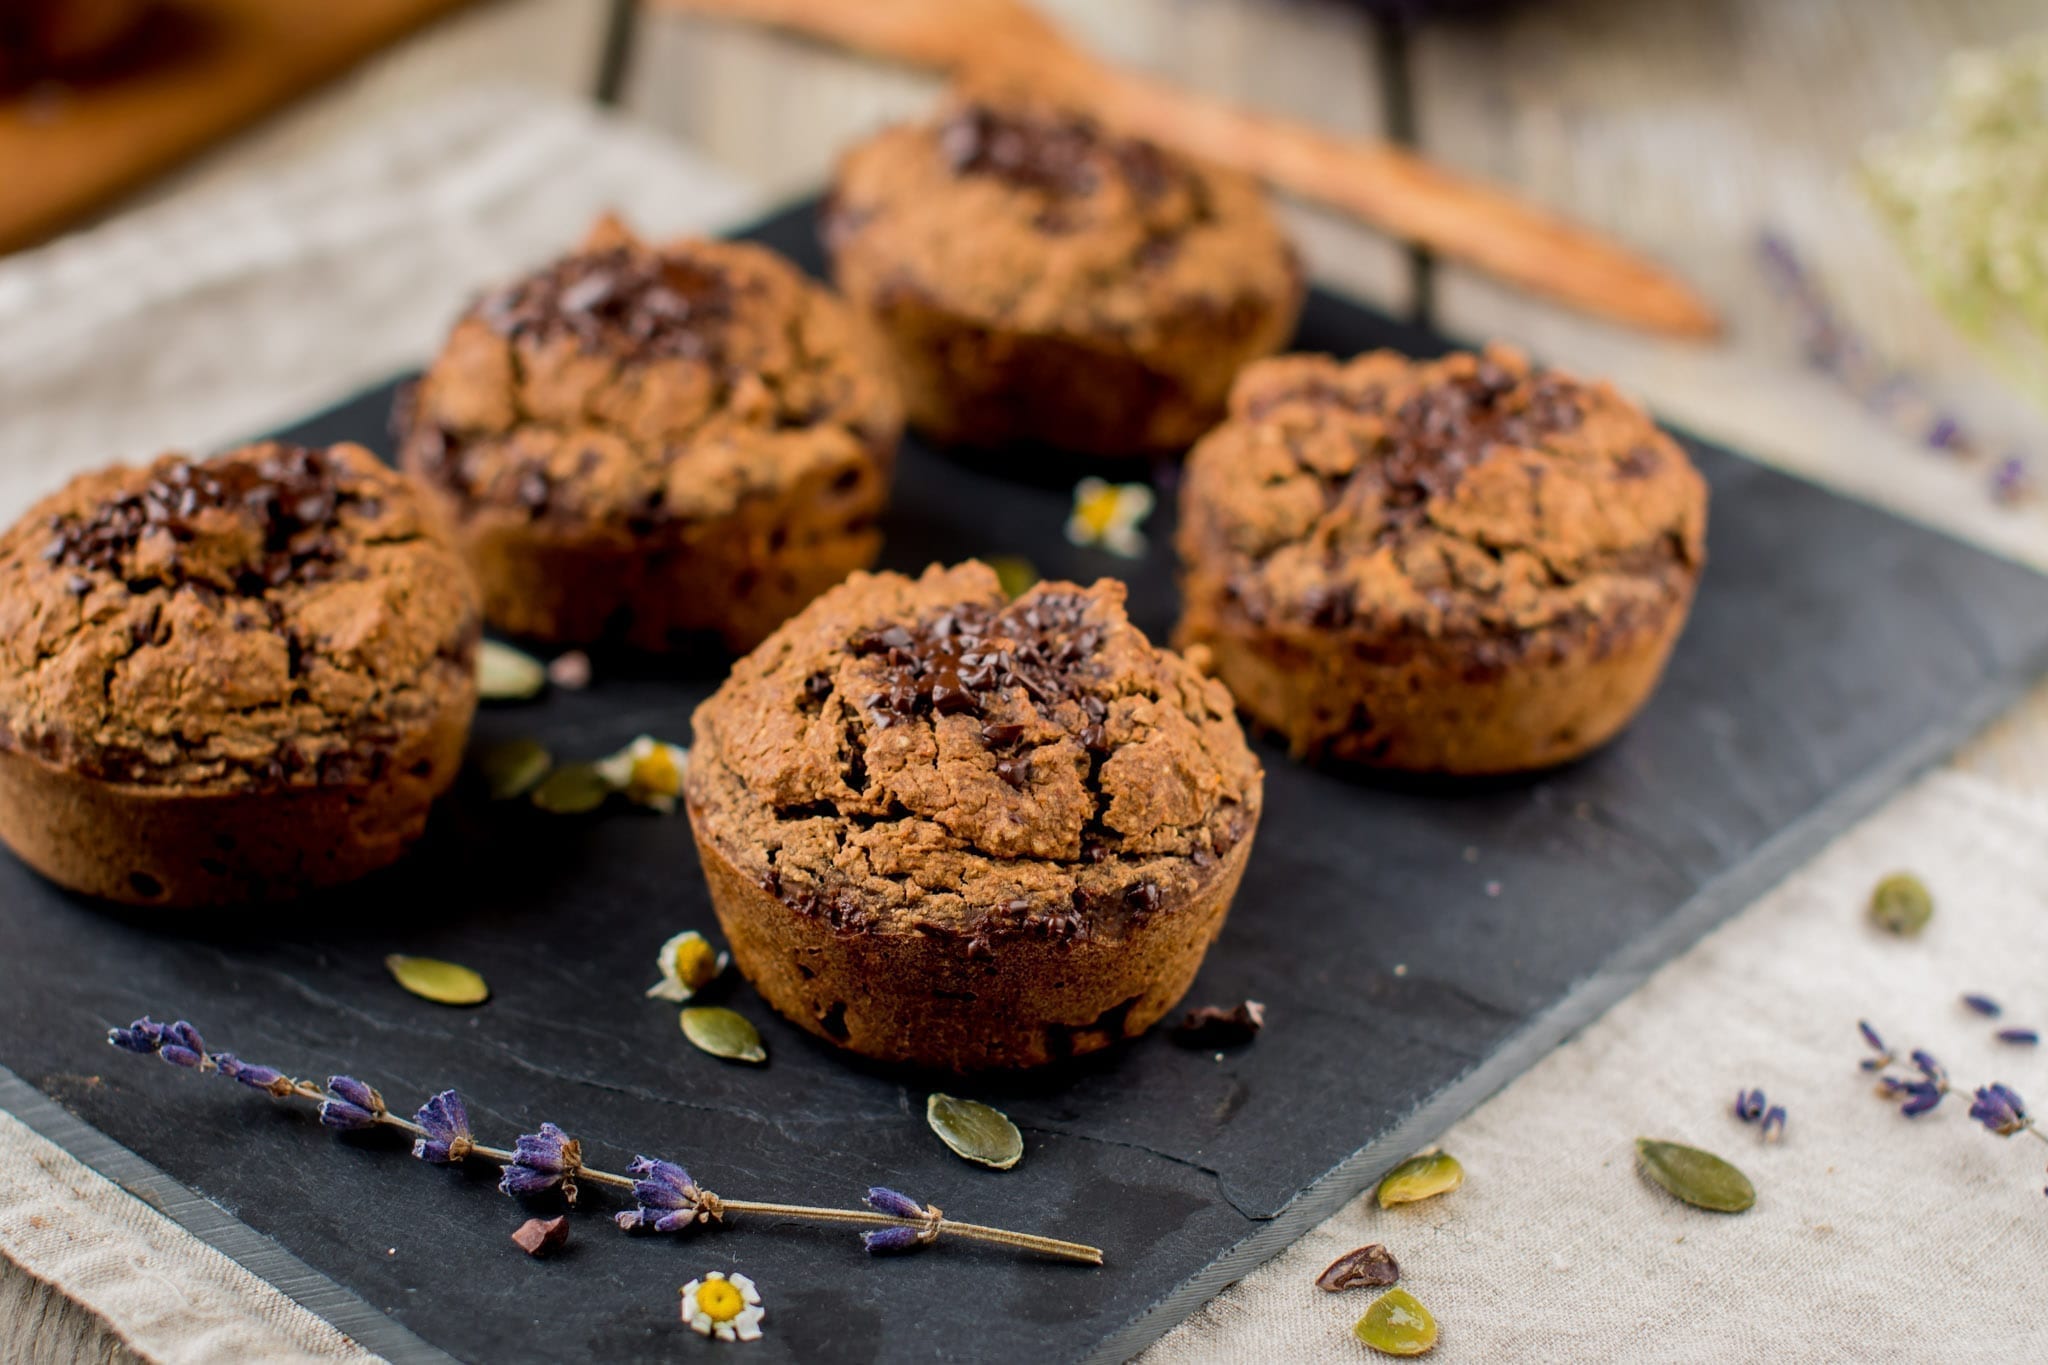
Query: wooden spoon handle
[[1457, 217]]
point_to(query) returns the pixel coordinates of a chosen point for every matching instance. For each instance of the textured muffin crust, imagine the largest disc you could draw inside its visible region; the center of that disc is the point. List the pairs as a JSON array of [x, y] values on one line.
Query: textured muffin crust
[[653, 442], [1042, 278], [945, 830], [277, 636], [1459, 565]]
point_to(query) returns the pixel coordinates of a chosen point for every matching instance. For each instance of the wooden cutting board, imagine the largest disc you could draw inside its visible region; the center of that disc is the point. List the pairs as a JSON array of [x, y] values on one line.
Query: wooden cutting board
[[199, 70]]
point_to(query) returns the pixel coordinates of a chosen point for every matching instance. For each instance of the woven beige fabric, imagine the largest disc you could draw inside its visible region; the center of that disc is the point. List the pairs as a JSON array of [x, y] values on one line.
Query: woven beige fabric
[[215, 315], [156, 1284], [1873, 1237]]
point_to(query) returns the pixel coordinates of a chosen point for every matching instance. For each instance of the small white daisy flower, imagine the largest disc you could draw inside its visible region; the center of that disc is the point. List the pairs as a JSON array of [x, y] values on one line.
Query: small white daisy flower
[[688, 964], [1109, 515], [649, 771], [724, 1306]]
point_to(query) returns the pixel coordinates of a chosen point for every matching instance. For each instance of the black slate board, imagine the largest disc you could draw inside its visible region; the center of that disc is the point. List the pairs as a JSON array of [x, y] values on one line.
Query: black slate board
[[1419, 944]]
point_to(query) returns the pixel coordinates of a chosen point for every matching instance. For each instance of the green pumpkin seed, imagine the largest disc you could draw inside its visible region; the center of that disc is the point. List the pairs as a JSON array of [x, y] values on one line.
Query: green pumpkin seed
[[573, 789], [444, 983], [1902, 904], [1421, 1177], [1015, 573], [974, 1131], [723, 1033], [512, 768], [507, 674], [1700, 1178], [1397, 1324]]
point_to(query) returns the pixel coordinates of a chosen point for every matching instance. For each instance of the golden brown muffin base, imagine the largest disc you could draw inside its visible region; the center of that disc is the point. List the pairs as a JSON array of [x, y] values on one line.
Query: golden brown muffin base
[[966, 382], [1436, 704], [897, 995], [737, 577], [176, 847]]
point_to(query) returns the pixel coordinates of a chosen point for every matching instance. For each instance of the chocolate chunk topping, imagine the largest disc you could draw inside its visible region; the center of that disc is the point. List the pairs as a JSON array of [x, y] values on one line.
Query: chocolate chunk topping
[[292, 494], [952, 663], [1062, 155], [1444, 430], [655, 305]]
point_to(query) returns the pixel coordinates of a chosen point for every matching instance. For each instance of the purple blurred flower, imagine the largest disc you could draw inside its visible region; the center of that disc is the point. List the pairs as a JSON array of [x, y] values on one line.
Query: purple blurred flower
[[2013, 480], [1885, 1055], [1749, 1105], [669, 1201], [541, 1161], [1924, 1095], [145, 1036], [1984, 1005], [1774, 1123], [2025, 1037], [1999, 1109], [448, 1138], [897, 1240], [350, 1104]]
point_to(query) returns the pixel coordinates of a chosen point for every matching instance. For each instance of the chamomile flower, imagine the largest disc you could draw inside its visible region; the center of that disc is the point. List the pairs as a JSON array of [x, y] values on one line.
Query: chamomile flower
[[722, 1306], [688, 964], [1109, 515], [649, 771]]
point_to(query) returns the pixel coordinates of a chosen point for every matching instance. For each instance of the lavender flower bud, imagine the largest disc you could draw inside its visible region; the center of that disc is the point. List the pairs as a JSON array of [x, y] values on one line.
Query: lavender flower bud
[[1925, 1095], [1984, 1005], [1884, 1055], [185, 1036], [344, 1117], [1749, 1105], [669, 1200], [181, 1056], [1774, 1123], [2000, 1109], [356, 1093], [2025, 1037], [145, 1036], [446, 1120], [541, 1161], [265, 1078], [891, 1241], [889, 1201], [1933, 1070]]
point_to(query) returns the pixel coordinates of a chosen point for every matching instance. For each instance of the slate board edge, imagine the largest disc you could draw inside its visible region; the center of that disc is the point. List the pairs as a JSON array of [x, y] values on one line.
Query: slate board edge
[[262, 1256], [1716, 903]]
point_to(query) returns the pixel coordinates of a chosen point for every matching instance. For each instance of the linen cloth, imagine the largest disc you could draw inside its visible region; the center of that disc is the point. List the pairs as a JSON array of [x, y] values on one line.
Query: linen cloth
[[1874, 1237]]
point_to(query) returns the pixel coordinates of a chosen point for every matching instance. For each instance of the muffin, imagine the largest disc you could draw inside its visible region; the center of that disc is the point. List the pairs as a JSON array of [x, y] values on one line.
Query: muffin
[[1040, 278], [42, 38], [656, 445], [225, 680], [1464, 565], [946, 830]]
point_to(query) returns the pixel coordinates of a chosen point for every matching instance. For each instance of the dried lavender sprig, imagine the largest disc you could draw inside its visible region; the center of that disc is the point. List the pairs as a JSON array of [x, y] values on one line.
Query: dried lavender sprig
[[1891, 393], [550, 1158]]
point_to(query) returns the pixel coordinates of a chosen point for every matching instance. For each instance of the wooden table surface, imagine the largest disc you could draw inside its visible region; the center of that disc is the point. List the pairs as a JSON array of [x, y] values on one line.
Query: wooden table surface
[[1684, 126]]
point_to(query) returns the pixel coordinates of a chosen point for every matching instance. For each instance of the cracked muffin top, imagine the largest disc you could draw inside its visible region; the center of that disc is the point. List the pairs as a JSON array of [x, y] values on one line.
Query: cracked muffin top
[[276, 615], [921, 754], [1010, 208], [1470, 495], [633, 384]]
